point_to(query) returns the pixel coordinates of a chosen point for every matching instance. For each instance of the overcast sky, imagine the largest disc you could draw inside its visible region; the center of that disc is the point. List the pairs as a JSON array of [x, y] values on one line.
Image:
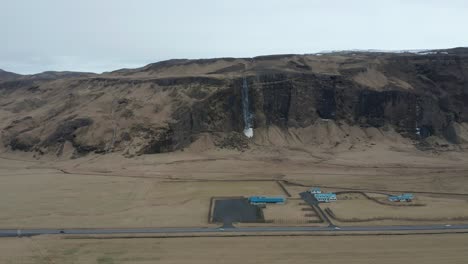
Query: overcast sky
[[104, 35]]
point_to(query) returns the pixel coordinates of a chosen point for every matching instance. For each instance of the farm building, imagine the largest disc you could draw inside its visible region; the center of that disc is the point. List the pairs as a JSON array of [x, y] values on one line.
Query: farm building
[[265, 200], [315, 190], [405, 197], [325, 197]]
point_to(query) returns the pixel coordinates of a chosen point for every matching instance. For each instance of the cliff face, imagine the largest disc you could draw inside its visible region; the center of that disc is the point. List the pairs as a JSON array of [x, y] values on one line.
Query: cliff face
[[169, 105]]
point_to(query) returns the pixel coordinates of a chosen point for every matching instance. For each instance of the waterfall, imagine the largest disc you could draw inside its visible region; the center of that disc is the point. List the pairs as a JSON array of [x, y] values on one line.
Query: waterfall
[[248, 130]]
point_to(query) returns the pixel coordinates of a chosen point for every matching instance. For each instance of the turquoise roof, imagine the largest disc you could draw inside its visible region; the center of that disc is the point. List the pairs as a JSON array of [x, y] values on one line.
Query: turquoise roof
[[404, 196], [325, 196]]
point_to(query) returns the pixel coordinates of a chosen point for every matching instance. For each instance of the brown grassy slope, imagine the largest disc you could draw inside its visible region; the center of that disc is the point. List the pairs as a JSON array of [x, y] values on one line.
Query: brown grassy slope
[[168, 105]]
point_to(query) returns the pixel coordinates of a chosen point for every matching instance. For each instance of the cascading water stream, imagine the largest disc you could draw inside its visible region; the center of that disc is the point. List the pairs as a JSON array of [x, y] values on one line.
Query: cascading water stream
[[248, 127]]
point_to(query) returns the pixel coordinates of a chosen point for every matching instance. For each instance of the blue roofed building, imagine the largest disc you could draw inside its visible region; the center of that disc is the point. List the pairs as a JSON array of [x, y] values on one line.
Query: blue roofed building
[[266, 199], [405, 197], [315, 190], [325, 197]]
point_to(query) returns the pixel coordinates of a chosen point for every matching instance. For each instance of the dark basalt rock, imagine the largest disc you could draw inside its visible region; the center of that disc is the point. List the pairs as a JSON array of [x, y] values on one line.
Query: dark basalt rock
[[23, 143], [276, 94], [219, 112], [326, 104], [299, 100], [161, 142], [66, 129], [394, 107]]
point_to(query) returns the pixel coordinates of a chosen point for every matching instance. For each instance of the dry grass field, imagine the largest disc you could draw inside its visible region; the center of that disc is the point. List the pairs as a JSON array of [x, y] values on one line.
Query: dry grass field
[[172, 190], [427, 249], [358, 209], [293, 212], [45, 198], [373, 169]]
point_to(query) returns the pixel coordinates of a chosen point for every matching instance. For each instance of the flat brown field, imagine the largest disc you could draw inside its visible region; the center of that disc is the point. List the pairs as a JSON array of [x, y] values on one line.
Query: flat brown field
[[65, 201], [174, 190], [427, 249], [357, 210], [291, 213]]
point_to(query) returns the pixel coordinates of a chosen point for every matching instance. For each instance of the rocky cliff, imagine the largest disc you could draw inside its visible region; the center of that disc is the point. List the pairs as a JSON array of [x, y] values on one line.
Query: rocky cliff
[[319, 100]]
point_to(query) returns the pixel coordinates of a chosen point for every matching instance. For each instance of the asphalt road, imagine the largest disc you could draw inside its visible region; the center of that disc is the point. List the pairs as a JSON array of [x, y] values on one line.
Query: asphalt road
[[310, 199], [105, 231]]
